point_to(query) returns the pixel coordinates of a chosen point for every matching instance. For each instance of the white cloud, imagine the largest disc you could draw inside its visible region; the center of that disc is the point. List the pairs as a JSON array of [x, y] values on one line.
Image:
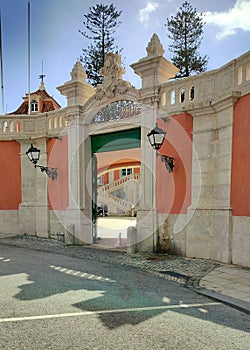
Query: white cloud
[[144, 13], [230, 21]]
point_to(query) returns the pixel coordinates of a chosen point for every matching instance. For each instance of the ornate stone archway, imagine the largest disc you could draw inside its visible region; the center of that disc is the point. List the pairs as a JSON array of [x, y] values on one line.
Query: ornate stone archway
[[153, 70], [84, 123]]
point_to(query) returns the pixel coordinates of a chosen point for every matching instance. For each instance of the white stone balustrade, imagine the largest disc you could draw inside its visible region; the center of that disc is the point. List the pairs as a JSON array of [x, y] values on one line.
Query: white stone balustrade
[[117, 202], [116, 184], [25, 126], [206, 88]]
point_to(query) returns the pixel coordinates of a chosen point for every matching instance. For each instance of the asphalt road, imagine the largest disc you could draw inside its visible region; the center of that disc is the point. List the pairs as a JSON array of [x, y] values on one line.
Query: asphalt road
[[52, 301]]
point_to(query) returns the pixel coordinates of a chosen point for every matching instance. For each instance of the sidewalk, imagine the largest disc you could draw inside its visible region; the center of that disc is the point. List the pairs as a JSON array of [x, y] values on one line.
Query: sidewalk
[[226, 283], [230, 284]]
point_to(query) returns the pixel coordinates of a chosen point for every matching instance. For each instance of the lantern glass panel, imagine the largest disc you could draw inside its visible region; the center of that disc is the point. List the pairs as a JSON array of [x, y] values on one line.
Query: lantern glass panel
[[33, 154], [151, 139], [159, 138]]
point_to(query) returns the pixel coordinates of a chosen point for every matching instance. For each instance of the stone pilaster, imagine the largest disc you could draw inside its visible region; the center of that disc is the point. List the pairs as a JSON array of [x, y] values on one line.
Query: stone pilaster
[[42, 208], [147, 213], [209, 228], [78, 217], [153, 70], [27, 211], [33, 211]]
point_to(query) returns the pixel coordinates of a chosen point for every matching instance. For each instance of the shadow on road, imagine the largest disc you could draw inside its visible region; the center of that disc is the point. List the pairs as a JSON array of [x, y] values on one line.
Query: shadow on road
[[118, 295]]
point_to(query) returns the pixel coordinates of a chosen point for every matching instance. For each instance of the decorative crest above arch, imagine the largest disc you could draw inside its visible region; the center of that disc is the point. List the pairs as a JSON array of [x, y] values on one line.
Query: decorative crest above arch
[[112, 73]]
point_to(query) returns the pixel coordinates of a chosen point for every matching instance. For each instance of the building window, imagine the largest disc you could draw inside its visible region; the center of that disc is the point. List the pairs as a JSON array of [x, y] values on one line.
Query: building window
[[126, 172], [100, 180], [34, 106]]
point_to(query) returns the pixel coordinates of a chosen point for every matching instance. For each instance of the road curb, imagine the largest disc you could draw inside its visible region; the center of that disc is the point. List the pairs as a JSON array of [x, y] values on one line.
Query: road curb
[[226, 300]]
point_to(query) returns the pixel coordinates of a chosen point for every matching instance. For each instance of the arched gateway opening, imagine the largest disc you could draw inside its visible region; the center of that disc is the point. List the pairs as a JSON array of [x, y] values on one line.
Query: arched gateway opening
[[109, 120], [116, 175]]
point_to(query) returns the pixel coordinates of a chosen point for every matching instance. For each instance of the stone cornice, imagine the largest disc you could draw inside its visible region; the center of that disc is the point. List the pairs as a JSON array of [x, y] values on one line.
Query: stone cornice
[[204, 131]]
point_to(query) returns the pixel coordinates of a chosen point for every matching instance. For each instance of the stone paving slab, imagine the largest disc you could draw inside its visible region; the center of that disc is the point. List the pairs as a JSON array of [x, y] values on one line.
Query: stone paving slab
[[229, 281]]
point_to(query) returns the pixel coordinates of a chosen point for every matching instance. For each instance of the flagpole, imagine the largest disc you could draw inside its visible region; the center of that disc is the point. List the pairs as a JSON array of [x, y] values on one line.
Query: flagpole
[[28, 57], [1, 58]]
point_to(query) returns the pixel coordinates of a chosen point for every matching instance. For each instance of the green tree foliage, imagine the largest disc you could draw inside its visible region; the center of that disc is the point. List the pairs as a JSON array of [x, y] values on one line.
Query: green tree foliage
[[100, 24], [186, 29]]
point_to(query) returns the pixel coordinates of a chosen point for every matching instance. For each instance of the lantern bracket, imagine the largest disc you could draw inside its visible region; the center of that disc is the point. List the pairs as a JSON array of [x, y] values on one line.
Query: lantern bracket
[[50, 172], [33, 154], [168, 161]]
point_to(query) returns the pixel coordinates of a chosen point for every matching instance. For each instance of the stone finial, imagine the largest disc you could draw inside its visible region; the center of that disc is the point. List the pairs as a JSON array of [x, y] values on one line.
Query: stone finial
[[154, 69], [42, 86], [77, 90], [154, 47], [78, 73]]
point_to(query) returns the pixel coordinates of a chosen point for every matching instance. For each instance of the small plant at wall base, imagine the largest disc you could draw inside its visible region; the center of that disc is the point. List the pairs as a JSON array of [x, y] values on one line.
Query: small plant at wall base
[[163, 244]]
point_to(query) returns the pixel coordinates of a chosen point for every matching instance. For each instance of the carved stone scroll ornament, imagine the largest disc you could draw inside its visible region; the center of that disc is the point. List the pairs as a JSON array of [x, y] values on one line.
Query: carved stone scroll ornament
[[112, 73]]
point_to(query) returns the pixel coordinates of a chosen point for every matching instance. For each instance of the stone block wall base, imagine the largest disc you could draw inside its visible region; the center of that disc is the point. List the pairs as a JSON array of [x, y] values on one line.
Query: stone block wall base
[[27, 219], [175, 225], [43, 234], [209, 235], [241, 241], [146, 245], [146, 230], [9, 220], [78, 228], [42, 221]]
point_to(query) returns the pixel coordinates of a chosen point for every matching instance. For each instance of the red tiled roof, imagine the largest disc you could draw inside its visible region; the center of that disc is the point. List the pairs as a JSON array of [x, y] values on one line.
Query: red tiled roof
[[48, 103], [23, 109], [49, 106]]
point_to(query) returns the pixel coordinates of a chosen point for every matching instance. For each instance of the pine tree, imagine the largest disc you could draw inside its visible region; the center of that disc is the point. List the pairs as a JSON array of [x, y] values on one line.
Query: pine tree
[[186, 29], [101, 23]]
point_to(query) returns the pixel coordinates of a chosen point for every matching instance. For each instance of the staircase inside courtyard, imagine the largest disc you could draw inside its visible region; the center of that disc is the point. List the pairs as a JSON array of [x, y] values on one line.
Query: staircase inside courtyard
[[113, 194]]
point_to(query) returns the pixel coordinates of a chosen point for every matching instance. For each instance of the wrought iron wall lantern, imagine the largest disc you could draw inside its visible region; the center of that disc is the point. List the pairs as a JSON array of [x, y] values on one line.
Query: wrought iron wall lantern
[[156, 138], [33, 154]]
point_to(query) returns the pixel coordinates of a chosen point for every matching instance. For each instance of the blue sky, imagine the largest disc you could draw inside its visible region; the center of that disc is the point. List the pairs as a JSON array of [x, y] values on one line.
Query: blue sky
[[55, 39]]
